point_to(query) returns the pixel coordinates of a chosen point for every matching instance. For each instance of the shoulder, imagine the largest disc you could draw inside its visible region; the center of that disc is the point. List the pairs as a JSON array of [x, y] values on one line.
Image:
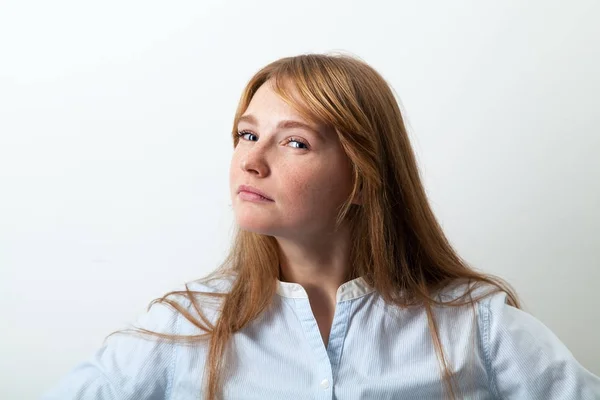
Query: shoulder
[[497, 319], [175, 311], [524, 356], [140, 362], [500, 322], [214, 283], [470, 292]]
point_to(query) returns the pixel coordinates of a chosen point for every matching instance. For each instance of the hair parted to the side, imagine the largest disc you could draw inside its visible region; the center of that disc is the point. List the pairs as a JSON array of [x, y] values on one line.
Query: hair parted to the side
[[398, 245]]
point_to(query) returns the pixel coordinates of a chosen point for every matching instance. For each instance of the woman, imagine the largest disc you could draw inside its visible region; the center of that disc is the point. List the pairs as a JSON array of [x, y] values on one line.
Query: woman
[[340, 282]]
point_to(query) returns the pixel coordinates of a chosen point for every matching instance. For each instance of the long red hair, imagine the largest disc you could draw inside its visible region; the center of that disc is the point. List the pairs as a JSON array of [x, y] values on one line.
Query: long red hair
[[398, 245]]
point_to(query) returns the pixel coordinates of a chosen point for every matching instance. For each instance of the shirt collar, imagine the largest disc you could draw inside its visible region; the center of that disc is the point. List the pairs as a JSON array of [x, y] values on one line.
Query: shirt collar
[[353, 289]]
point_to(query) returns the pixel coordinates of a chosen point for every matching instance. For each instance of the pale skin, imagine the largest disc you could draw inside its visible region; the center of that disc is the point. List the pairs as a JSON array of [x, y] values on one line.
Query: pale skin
[[308, 176]]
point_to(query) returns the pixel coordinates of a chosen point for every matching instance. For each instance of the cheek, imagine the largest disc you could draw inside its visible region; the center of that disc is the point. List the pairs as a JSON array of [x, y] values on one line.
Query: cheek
[[316, 189], [232, 168], [234, 173]]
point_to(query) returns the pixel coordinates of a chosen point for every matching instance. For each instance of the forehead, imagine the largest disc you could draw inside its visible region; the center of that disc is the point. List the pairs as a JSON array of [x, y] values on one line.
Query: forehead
[[266, 99], [267, 103], [287, 111]]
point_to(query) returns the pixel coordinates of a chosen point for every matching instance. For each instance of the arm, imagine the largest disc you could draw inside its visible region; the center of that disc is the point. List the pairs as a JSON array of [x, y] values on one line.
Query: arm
[[127, 366], [525, 360]]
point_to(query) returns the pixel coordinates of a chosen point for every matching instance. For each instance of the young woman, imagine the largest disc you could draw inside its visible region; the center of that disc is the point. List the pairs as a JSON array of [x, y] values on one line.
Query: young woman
[[340, 283]]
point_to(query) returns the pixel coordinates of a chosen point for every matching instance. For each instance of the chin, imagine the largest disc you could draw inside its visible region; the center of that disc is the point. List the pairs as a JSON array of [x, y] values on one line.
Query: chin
[[257, 229], [255, 224]]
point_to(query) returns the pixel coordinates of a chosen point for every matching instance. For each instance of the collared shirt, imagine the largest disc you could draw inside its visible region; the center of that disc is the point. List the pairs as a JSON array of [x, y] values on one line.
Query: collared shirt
[[375, 351]]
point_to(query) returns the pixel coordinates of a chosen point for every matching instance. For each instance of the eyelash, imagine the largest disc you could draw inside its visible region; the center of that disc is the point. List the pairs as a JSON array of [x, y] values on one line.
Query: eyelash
[[289, 140]]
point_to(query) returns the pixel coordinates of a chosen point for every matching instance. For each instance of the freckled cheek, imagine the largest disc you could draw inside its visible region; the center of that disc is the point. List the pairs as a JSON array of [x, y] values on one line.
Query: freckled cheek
[[236, 161], [293, 183], [233, 171], [308, 190]]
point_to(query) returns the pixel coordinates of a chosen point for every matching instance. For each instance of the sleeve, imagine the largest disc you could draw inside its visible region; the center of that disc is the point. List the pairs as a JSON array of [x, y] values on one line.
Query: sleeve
[[525, 359], [127, 366]]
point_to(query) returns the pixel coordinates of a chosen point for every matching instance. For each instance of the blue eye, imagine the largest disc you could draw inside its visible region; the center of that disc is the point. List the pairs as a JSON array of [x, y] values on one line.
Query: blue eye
[[299, 142], [244, 133]]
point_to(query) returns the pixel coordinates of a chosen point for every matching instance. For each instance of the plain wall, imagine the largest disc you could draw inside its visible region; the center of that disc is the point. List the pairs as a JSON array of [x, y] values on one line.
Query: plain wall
[[115, 121]]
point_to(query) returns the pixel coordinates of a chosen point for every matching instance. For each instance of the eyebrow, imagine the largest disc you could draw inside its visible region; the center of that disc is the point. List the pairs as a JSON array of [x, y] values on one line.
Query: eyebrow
[[285, 124]]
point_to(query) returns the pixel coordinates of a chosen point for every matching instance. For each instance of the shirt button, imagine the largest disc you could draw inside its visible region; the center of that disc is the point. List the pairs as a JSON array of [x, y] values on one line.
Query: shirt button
[[324, 383]]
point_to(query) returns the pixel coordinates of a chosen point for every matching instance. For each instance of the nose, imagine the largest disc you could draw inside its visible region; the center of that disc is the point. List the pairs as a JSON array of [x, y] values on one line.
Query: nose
[[255, 163]]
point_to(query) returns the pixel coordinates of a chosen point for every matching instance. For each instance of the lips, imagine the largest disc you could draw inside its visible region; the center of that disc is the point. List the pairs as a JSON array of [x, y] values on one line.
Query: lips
[[251, 189]]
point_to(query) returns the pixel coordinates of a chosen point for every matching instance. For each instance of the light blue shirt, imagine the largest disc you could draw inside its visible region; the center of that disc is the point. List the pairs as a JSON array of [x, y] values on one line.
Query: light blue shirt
[[375, 351]]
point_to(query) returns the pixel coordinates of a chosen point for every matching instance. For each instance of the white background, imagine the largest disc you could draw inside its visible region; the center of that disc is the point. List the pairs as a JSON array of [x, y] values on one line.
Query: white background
[[115, 122]]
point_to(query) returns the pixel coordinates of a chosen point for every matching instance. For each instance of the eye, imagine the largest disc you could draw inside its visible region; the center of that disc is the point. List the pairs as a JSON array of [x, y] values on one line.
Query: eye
[[299, 142], [244, 133]]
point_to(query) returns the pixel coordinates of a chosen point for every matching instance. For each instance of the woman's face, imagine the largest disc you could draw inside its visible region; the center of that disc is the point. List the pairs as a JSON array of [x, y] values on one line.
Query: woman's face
[[303, 170]]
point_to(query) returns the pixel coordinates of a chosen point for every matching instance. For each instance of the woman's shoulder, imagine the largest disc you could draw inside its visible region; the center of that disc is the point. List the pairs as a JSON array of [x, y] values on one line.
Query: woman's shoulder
[[498, 319], [520, 353], [179, 310], [472, 304], [213, 283], [473, 292], [139, 361]]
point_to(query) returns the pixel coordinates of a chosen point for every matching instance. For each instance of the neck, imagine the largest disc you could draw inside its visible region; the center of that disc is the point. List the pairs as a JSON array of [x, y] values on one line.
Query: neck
[[321, 265]]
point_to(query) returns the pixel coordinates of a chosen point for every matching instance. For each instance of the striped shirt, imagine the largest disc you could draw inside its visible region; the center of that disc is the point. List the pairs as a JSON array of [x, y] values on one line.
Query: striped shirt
[[375, 351]]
